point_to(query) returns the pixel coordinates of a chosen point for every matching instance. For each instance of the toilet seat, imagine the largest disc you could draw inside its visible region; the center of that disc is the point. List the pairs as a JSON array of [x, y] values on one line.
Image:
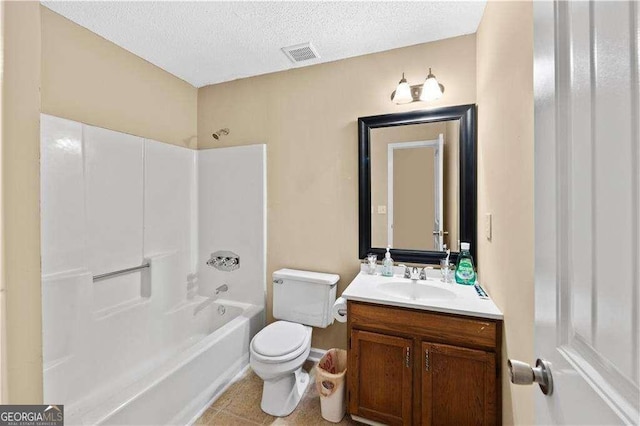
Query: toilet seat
[[280, 342]]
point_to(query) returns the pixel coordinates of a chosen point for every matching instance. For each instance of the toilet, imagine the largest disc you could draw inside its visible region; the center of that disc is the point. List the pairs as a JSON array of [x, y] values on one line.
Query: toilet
[[301, 300]]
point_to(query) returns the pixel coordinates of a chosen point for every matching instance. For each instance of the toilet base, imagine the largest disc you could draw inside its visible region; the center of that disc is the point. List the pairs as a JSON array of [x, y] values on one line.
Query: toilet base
[[280, 397]]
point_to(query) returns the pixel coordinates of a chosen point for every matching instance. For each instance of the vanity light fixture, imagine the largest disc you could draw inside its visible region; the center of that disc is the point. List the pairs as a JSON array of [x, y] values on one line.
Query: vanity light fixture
[[430, 90]]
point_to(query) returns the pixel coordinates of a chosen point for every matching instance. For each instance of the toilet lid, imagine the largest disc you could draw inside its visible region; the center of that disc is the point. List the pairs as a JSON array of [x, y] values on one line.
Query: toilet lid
[[279, 338]]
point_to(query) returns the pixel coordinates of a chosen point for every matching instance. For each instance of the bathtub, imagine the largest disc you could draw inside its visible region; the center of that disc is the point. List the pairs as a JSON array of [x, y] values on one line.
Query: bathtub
[[182, 383]]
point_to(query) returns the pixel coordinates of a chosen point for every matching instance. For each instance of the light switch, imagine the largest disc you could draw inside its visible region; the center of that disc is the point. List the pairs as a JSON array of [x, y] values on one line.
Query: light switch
[[487, 226], [382, 209]]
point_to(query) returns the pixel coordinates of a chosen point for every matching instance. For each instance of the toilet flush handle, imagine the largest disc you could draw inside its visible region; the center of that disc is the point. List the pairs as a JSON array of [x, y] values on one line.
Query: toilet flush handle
[[278, 281]]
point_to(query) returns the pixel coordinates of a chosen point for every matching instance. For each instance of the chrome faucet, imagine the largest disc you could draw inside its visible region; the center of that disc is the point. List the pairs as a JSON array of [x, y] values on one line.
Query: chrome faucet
[[210, 299], [414, 273]]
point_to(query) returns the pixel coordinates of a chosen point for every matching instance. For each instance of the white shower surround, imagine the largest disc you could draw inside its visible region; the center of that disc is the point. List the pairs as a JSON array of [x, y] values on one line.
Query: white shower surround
[[233, 177], [112, 201]]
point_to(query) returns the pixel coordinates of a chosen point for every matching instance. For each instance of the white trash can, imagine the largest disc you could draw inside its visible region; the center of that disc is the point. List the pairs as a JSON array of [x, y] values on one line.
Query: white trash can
[[330, 383]]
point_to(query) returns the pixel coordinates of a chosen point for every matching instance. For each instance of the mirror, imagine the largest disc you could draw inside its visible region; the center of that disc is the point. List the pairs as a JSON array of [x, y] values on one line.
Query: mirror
[[414, 186], [418, 183]]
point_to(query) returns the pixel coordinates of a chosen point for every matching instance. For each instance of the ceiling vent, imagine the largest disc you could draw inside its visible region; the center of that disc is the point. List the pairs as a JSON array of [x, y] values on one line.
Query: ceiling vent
[[301, 52]]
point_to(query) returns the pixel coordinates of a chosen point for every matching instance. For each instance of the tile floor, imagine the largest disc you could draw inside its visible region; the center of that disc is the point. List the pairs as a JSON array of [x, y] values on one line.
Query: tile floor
[[240, 406]]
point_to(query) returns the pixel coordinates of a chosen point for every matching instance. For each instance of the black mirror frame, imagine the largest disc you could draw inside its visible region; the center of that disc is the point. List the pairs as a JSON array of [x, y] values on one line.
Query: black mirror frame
[[468, 177]]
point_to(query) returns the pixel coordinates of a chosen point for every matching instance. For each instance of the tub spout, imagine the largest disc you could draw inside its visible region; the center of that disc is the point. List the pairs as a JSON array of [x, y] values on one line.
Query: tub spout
[[222, 289], [202, 305]]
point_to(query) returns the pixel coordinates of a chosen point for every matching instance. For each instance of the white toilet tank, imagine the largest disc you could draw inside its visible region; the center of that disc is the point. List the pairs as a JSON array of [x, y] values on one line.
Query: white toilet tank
[[304, 297]]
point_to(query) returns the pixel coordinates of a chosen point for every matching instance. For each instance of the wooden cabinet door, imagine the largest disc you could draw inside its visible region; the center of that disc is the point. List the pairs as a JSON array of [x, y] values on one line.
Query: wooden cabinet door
[[381, 371], [458, 386]]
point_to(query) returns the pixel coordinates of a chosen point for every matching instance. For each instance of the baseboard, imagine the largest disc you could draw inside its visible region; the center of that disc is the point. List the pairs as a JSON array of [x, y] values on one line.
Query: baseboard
[[315, 354]]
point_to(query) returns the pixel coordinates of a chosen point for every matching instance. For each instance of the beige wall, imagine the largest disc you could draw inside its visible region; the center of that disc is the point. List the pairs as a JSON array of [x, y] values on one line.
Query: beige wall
[[308, 119], [89, 79], [20, 201], [505, 183]]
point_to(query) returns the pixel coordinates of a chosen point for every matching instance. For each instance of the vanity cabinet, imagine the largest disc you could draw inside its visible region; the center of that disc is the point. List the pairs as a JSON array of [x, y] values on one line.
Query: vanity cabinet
[[458, 386], [408, 366], [383, 367]]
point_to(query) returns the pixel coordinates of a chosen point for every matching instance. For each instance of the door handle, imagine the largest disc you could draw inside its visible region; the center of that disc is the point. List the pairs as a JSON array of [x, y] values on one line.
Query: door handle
[[522, 373]]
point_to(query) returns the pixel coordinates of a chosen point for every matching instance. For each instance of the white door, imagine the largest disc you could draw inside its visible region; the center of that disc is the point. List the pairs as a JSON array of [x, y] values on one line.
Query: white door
[[587, 192], [438, 189]]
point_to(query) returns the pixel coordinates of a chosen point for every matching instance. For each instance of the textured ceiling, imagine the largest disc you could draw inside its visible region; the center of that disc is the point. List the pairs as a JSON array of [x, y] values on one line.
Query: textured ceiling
[[211, 42]]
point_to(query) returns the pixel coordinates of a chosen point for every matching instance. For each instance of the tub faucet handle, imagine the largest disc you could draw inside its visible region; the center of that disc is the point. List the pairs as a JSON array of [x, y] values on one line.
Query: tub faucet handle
[[224, 261]]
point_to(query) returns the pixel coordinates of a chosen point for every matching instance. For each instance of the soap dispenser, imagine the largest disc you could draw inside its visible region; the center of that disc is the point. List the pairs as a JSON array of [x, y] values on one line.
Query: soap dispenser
[[387, 265]]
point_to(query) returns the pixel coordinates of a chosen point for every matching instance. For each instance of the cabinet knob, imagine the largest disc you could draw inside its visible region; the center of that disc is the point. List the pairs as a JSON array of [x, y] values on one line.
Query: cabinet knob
[[522, 373]]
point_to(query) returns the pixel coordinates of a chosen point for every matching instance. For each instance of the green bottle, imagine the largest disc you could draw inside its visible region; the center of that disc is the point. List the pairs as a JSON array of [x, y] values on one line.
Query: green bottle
[[465, 274]]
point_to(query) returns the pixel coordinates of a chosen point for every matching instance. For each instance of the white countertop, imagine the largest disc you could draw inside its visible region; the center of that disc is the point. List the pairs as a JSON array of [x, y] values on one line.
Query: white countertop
[[365, 288]]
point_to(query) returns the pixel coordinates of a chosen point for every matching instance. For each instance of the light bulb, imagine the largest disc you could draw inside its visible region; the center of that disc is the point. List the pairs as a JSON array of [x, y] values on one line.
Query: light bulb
[[403, 92], [431, 90]]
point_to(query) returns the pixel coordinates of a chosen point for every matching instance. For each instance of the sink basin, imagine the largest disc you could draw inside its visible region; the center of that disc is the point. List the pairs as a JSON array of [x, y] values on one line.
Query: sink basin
[[413, 291]]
